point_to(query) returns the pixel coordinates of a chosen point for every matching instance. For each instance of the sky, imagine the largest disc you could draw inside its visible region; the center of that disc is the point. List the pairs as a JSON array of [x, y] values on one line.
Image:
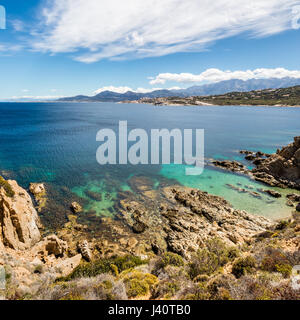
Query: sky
[[55, 48]]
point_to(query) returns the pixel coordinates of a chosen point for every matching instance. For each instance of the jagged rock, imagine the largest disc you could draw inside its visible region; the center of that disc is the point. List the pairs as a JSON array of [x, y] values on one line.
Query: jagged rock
[[272, 193], [139, 227], [66, 266], [76, 207], [32, 263], [247, 152], [233, 166], [242, 190], [298, 207], [84, 249], [51, 245], [250, 157], [37, 188], [294, 197], [182, 219], [290, 203], [282, 168], [19, 222]]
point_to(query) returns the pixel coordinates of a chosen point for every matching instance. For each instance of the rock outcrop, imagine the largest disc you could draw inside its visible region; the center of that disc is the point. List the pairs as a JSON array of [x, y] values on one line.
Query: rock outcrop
[[281, 169], [76, 207], [19, 222], [233, 166], [37, 188], [31, 261], [182, 219]]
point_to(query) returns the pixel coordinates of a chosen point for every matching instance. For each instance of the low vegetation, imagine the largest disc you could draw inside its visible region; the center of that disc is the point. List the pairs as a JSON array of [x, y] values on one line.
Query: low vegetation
[[8, 189], [260, 270]]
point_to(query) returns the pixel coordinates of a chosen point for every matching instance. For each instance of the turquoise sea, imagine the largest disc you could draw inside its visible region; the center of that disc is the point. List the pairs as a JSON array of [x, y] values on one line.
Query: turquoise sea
[[56, 143]]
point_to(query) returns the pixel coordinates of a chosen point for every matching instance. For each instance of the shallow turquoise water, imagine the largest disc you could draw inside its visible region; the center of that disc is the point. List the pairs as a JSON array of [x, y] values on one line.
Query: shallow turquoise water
[[215, 181], [56, 143]]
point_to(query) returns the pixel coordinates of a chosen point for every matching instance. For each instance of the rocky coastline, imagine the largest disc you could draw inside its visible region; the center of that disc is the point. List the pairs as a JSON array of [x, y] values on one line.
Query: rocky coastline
[[170, 242]]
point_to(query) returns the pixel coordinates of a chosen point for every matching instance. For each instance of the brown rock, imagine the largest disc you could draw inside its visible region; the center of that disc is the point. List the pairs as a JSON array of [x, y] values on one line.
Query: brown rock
[[19, 222], [281, 169], [84, 249], [37, 188], [76, 207]]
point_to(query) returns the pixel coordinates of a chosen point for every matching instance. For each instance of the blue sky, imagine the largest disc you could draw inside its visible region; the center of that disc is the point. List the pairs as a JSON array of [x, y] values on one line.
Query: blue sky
[[62, 48]]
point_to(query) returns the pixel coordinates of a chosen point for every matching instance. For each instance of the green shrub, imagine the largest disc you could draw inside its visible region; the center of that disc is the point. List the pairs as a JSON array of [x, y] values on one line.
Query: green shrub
[[114, 265], [284, 269], [209, 260], [137, 283], [204, 262], [8, 189], [199, 292], [274, 260], [244, 266], [168, 259], [282, 225], [165, 289]]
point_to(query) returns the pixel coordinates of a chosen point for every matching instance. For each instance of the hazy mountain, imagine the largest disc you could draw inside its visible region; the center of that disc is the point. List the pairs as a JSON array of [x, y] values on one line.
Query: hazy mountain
[[203, 90]]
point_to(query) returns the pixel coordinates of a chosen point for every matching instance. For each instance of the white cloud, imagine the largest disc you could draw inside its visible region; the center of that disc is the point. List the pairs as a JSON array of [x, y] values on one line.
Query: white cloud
[[215, 75], [124, 89], [18, 25], [116, 29], [9, 48], [33, 98]]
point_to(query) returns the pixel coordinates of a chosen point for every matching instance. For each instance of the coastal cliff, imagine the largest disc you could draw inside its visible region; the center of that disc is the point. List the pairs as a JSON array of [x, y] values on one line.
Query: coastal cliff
[[30, 260], [282, 168]]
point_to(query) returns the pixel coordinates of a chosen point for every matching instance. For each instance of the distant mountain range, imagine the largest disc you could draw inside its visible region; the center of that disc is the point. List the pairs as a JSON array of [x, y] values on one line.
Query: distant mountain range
[[218, 88]]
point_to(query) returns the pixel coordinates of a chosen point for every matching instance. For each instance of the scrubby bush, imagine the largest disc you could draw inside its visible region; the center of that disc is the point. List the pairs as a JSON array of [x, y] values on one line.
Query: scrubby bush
[[276, 261], [209, 260], [196, 292], [168, 259], [6, 186], [283, 224], [164, 289], [204, 262], [102, 287], [137, 283], [244, 266], [114, 265]]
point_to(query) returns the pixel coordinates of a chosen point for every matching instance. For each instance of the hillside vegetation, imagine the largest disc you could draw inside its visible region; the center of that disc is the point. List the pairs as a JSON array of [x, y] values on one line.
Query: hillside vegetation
[[269, 97]]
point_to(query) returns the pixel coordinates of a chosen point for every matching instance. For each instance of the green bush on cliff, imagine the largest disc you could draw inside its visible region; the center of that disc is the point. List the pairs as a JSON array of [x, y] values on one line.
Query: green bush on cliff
[[284, 269], [209, 260], [115, 265], [6, 186], [137, 283], [170, 259], [244, 266], [276, 261]]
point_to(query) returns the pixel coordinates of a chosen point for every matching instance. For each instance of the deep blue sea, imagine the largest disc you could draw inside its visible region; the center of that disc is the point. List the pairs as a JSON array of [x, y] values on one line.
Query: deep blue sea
[[56, 143]]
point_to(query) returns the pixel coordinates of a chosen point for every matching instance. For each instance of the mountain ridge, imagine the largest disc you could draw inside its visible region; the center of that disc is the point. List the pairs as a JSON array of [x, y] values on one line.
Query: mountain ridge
[[222, 87]]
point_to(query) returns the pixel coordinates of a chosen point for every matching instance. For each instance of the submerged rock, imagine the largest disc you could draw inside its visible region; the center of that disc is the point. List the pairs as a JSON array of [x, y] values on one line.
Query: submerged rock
[[294, 197], [272, 193], [76, 207]]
